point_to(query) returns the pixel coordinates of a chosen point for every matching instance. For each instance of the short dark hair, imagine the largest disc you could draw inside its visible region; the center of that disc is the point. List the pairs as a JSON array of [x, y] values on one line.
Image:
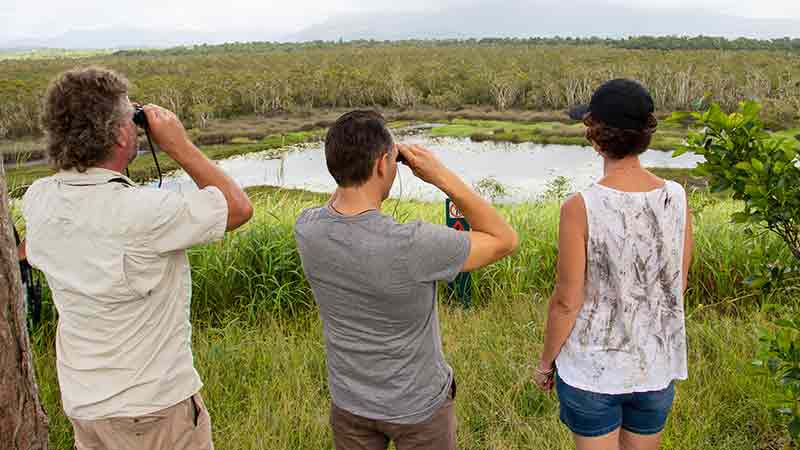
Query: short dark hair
[[353, 144], [619, 143], [82, 112]]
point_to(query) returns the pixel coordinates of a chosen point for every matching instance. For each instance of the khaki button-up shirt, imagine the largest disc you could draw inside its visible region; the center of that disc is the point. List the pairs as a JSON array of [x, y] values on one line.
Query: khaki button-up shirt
[[114, 257]]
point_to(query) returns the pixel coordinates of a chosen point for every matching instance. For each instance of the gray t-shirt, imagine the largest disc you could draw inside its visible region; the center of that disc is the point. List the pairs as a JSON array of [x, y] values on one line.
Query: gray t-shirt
[[375, 283]]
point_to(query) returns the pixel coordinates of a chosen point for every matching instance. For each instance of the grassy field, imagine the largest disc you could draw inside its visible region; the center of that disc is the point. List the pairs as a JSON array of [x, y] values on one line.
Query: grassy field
[[669, 135], [262, 79], [258, 340], [51, 53]]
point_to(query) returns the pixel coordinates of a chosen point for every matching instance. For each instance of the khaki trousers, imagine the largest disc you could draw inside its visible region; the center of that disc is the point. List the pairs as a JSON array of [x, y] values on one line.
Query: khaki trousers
[[185, 426], [351, 432]]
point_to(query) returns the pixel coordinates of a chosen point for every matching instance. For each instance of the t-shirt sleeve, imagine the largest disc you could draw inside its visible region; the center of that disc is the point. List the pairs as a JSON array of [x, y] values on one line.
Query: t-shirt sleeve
[[437, 253], [185, 219]]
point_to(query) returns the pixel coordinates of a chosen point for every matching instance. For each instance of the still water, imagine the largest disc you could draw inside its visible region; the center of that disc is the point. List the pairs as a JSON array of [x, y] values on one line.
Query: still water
[[524, 170]]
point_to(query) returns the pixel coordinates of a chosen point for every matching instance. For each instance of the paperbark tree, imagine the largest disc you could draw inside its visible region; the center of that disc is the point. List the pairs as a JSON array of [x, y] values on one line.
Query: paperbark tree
[[23, 422]]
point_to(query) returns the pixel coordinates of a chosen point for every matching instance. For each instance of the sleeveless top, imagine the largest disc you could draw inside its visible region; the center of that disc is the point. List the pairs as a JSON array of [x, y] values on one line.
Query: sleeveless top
[[630, 334]]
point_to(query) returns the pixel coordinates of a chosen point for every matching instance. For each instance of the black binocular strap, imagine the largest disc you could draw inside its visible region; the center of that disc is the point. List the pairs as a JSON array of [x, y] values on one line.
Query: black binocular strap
[[31, 283]]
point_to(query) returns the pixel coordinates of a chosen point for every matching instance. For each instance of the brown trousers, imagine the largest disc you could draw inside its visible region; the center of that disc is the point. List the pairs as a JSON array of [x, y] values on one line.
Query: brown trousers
[[351, 432], [185, 426]]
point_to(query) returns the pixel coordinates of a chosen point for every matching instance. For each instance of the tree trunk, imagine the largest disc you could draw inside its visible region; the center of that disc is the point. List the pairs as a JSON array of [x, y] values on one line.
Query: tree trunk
[[23, 422]]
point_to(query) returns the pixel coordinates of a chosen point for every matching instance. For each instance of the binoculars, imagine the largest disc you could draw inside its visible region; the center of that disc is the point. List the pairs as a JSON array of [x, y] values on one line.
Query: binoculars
[[139, 117]]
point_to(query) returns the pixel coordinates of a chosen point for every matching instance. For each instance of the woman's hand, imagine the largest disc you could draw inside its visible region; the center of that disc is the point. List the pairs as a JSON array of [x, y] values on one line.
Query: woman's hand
[[544, 376]]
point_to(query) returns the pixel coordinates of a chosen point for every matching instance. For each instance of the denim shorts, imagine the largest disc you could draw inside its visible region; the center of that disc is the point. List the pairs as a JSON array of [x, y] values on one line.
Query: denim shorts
[[591, 414]]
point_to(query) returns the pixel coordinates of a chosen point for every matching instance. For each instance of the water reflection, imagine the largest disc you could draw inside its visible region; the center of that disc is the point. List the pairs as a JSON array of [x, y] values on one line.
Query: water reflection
[[523, 169]]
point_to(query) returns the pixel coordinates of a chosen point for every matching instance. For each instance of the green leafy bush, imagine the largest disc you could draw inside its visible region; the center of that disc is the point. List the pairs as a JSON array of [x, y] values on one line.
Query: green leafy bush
[[780, 358], [762, 171], [759, 169], [557, 189], [491, 189]]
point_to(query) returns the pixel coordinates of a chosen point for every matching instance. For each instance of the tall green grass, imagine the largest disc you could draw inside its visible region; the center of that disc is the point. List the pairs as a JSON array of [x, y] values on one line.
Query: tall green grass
[[265, 383], [257, 270], [258, 341]]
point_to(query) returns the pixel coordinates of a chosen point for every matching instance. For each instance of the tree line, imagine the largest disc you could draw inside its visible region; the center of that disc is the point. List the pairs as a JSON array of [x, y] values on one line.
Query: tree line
[[632, 43], [237, 80]]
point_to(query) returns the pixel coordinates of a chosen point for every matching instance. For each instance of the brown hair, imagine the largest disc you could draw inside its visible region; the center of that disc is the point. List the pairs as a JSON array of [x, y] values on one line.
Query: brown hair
[[353, 144], [618, 143], [82, 112]]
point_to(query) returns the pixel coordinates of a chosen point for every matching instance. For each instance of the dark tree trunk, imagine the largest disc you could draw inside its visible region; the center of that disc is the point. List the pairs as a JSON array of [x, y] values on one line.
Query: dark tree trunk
[[23, 422]]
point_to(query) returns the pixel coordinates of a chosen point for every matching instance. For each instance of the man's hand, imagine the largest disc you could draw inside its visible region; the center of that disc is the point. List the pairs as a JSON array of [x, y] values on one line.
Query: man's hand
[[166, 129], [491, 238], [168, 132], [22, 251], [425, 165]]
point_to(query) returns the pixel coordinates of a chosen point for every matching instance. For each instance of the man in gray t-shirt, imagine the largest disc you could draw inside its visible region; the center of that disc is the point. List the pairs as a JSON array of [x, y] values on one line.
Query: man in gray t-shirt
[[375, 283]]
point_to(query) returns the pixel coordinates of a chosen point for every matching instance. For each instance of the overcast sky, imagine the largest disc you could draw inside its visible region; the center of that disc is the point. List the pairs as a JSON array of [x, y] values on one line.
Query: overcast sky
[[40, 18]]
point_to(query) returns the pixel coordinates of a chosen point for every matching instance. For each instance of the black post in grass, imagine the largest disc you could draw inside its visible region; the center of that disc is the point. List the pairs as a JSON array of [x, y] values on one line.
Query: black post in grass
[[462, 286]]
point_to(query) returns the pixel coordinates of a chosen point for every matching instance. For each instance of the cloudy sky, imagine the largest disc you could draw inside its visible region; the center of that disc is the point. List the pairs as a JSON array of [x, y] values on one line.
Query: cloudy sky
[[39, 18]]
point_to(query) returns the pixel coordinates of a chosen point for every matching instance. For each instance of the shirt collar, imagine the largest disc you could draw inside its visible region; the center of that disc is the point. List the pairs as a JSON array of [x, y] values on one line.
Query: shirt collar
[[92, 177]]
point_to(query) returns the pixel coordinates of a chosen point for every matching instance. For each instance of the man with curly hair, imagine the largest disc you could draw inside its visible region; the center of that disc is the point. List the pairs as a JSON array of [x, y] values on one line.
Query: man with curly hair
[[114, 254]]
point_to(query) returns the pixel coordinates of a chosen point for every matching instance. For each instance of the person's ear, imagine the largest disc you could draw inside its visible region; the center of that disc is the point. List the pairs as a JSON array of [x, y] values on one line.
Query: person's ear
[[382, 165], [594, 143], [124, 134]]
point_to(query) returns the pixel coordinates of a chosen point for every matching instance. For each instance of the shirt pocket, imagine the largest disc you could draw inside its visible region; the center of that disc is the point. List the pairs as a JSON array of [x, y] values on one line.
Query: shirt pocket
[[143, 272]]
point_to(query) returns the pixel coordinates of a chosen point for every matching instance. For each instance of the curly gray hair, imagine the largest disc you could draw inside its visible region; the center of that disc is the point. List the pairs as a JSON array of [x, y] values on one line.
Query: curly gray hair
[[82, 114]]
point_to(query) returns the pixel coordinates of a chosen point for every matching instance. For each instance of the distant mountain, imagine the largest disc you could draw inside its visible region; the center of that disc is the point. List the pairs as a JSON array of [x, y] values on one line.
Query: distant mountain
[[127, 38], [522, 18], [487, 18]]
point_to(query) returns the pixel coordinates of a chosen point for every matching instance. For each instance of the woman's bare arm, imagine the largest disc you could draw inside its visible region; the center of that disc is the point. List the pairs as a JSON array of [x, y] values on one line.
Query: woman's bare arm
[[688, 247], [567, 299]]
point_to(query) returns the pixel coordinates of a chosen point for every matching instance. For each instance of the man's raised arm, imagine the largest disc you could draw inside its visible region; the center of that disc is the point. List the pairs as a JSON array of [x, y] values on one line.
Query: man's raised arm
[[492, 237]]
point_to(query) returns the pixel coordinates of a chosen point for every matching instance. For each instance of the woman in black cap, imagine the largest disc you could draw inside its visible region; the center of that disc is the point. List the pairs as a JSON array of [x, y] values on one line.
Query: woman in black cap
[[615, 339]]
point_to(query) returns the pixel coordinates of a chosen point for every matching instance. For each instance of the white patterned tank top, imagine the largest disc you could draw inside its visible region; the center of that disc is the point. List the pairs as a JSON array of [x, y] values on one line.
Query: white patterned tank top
[[630, 334]]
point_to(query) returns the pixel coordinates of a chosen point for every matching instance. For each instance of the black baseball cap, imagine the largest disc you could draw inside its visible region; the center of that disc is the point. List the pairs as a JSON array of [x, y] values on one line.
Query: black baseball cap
[[619, 103]]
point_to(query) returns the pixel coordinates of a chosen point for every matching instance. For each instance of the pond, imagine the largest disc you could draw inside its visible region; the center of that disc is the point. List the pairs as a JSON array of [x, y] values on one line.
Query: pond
[[524, 170]]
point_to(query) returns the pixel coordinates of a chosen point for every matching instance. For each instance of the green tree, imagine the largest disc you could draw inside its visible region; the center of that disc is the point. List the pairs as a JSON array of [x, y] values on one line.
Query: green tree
[[762, 171]]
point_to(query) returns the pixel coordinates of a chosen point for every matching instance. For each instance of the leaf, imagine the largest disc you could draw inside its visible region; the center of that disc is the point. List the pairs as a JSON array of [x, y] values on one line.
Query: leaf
[[682, 150], [751, 109], [794, 428], [755, 282], [740, 217], [679, 116], [757, 165]]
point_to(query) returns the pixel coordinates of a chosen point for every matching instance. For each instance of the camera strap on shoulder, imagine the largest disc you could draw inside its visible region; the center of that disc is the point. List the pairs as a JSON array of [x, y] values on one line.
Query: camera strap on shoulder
[[33, 287], [120, 181], [23, 264]]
